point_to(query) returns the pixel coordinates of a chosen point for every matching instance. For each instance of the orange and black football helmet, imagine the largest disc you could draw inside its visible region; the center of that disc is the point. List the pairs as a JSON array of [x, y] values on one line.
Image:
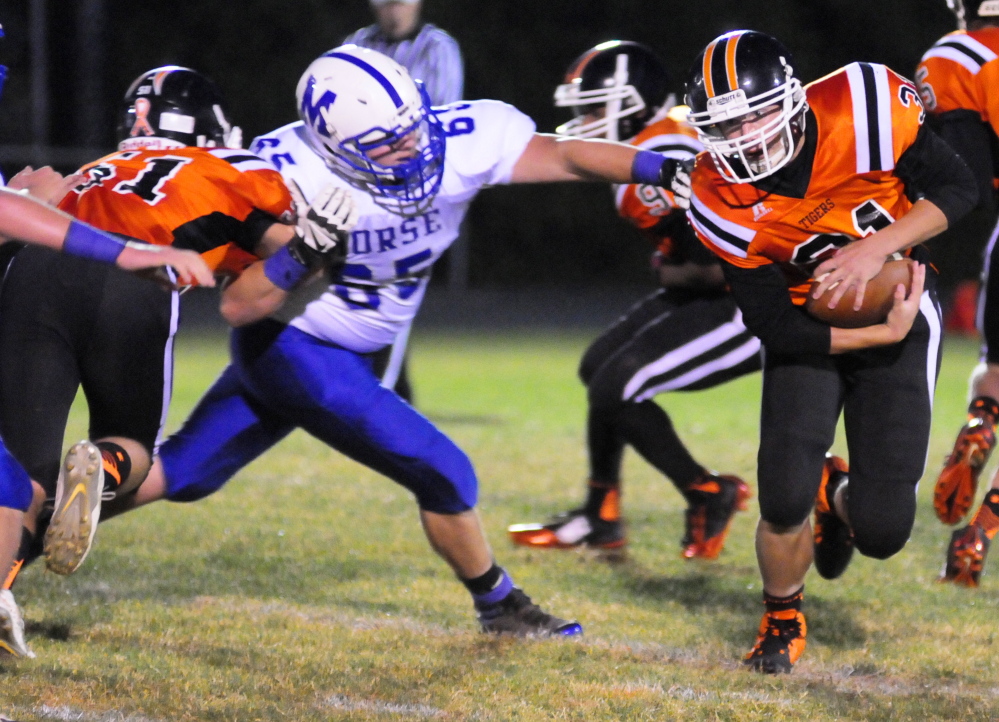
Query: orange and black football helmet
[[175, 106], [743, 76], [614, 90]]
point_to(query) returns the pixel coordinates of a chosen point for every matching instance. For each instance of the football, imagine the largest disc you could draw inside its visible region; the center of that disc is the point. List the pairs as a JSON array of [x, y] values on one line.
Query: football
[[878, 298]]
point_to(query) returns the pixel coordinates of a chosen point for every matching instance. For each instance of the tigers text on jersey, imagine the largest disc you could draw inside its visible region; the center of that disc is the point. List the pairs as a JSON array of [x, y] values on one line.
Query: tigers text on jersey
[[388, 263], [866, 117], [961, 71], [646, 205], [216, 201]]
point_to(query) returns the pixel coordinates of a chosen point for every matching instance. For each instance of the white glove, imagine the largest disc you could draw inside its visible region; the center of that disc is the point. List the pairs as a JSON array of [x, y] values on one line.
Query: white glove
[[680, 185], [326, 223]]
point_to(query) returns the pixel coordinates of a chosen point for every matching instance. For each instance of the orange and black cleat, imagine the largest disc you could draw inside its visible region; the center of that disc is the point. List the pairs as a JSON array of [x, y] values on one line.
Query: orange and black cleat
[[576, 528], [955, 489], [780, 642], [713, 501], [966, 556], [831, 536]]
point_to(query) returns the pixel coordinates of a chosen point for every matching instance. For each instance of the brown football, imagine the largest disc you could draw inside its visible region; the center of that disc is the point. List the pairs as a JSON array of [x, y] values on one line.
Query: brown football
[[878, 298]]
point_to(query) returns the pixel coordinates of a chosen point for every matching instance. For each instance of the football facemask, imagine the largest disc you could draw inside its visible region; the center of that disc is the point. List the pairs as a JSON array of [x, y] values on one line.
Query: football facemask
[[359, 106], [774, 95]]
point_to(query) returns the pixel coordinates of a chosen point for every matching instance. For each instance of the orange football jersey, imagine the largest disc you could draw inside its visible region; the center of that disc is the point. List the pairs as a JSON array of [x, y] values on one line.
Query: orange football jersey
[[646, 205], [203, 199], [961, 71], [866, 117]]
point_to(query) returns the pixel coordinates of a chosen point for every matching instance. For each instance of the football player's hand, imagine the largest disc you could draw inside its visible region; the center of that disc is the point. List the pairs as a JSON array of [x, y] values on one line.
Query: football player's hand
[[189, 266], [680, 184], [905, 309], [324, 225], [852, 266], [45, 184]]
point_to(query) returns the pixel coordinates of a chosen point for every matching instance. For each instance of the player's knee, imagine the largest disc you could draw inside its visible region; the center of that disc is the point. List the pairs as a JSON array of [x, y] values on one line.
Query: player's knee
[[15, 485], [449, 496], [881, 517]]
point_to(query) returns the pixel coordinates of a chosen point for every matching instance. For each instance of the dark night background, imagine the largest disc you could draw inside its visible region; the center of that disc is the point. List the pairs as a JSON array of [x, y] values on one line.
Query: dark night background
[[515, 50]]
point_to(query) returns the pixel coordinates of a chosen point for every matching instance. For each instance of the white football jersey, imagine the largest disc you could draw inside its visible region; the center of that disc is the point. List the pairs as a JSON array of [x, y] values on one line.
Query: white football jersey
[[389, 259]]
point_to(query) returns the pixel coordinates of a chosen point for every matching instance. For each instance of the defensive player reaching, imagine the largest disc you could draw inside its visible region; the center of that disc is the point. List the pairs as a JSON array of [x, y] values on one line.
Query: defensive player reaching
[[958, 80], [826, 181], [367, 125], [176, 184], [688, 335]]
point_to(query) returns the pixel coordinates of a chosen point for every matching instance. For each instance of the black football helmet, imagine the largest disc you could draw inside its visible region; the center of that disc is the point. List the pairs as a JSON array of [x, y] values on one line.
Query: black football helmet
[[626, 80], [174, 106], [745, 76], [969, 10]]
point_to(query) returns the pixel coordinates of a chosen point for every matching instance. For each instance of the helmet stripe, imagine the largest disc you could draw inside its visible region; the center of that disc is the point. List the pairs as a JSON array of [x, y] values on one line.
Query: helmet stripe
[[730, 50], [370, 70], [709, 85]]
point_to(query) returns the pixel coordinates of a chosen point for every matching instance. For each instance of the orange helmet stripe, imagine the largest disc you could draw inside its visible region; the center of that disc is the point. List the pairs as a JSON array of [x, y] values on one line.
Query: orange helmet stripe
[[730, 74], [709, 85]]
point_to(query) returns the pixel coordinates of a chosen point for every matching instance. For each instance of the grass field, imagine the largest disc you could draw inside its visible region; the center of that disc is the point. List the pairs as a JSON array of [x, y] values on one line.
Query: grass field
[[306, 591]]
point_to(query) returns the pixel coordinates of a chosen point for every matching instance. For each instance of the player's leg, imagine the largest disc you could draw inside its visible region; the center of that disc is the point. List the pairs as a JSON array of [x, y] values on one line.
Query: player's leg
[[955, 488], [126, 370], [39, 330], [671, 347], [15, 497], [334, 395], [801, 403]]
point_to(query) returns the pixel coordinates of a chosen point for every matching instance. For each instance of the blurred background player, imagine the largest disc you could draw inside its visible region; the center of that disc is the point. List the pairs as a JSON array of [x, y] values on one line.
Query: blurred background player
[[433, 56], [309, 364], [825, 181], [688, 335], [958, 80], [178, 180]]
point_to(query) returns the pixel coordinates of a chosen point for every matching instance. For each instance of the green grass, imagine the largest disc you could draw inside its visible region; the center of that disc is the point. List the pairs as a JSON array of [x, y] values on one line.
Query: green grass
[[306, 591]]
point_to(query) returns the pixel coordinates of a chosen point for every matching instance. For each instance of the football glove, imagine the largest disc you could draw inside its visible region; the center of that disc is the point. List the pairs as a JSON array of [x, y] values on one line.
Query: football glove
[[680, 184], [323, 228]]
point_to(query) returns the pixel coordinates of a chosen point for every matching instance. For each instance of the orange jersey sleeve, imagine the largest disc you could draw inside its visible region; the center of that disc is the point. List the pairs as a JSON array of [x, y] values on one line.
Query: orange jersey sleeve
[[217, 202], [961, 71], [866, 116]]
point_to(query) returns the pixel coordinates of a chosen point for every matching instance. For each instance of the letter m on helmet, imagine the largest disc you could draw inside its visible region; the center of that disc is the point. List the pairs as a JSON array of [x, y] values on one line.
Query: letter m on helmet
[[312, 107]]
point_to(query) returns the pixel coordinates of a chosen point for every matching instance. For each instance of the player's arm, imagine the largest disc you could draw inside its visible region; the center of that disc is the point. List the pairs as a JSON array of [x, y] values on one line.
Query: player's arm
[[291, 254], [32, 221], [946, 191], [549, 158]]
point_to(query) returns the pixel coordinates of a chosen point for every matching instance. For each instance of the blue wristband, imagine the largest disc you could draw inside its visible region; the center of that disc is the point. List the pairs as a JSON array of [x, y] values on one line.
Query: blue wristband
[[88, 242], [646, 167], [283, 270]]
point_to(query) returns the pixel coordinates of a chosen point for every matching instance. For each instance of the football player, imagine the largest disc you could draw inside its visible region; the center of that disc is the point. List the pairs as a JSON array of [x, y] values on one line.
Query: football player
[[28, 220], [687, 335], [958, 79], [824, 181], [178, 181], [365, 124]]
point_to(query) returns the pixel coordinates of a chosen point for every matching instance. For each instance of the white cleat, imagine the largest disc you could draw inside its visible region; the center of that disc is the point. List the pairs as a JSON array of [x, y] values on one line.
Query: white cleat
[[77, 509], [12, 627]]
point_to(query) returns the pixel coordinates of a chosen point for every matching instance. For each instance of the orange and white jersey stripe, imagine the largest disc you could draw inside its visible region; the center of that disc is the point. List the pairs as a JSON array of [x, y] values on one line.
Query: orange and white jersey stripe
[[866, 116], [645, 205], [216, 201], [961, 71]]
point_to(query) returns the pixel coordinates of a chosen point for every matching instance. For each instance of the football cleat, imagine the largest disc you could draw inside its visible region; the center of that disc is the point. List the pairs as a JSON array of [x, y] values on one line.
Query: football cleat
[[570, 529], [517, 615], [12, 627], [966, 556], [77, 509], [831, 536], [713, 500], [780, 642], [955, 489]]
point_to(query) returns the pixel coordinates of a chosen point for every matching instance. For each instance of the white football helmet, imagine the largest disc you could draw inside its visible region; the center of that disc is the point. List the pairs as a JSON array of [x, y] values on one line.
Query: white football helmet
[[353, 101], [973, 10]]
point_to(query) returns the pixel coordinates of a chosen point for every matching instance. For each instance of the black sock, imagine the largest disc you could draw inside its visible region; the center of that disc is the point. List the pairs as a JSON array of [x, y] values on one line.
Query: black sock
[[117, 464], [489, 588], [781, 604], [24, 557]]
